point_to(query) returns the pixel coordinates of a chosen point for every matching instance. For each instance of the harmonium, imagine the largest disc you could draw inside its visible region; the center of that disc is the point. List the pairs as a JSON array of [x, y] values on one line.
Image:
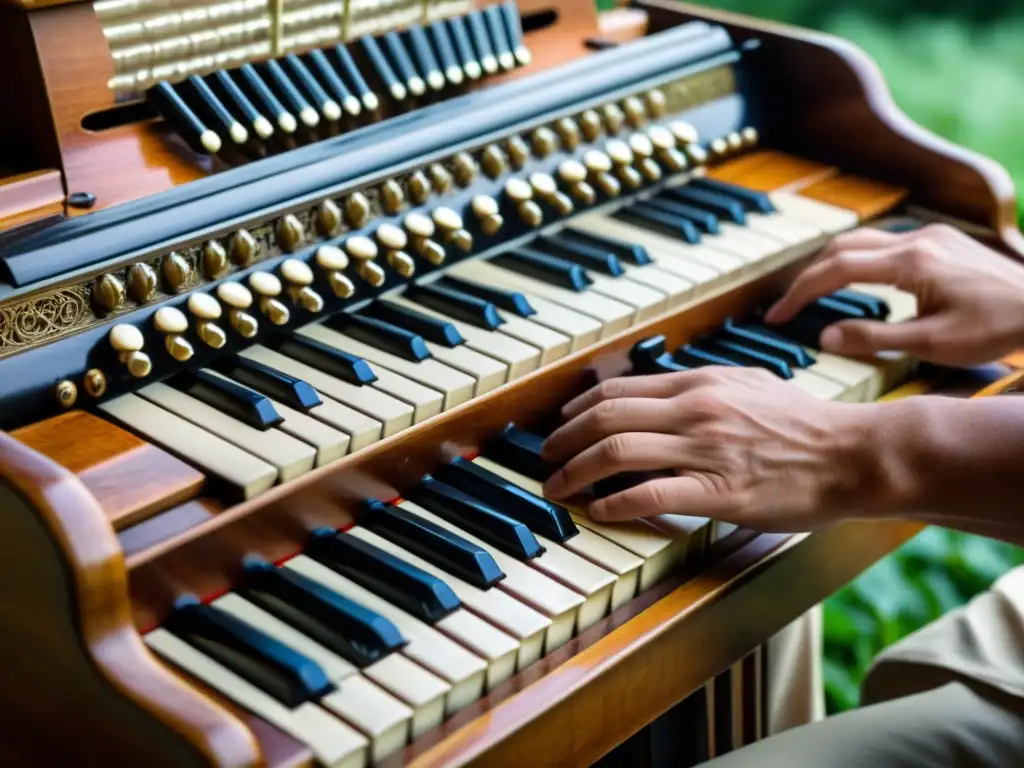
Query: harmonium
[[291, 292]]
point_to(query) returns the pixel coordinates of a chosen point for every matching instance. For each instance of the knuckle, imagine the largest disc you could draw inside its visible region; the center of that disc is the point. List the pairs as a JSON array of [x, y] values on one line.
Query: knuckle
[[939, 231], [606, 412], [616, 449], [611, 389], [657, 497]]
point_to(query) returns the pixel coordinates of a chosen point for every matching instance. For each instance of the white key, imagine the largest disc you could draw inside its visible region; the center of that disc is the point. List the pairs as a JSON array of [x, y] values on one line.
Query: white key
[[423, 691], [498, 607], [677, 289], [210, 453], [902, 304], [520, 358], [393, 415], [433, 377], [585, 577], [647, 302], [660, 553], [333, 742], [817, 386], [611, 557], [486, 641], [559, 603], [465, 671], [487, 372], [829, 218], [863, 381], [751, 246], [330, 444], [786, 228], [376, 714], [614, 316], [291, 457], [552, 344]]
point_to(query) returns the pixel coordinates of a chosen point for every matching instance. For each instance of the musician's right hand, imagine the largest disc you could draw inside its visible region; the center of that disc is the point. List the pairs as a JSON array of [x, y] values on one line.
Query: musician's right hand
[[970, 298]]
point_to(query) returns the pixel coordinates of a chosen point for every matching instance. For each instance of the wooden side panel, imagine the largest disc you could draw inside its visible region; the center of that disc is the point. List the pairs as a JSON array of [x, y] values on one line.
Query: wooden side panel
[[27, 197], [74, 667]]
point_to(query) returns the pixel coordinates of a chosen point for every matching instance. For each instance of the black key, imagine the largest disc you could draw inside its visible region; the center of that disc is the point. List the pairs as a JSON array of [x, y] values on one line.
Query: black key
[[875, 307], [344, 626], [383, 69], [331, 361], [184, 121], [539, 515], [415, 591], [629, 252], [470, 64], [722, 206], [747, 355], [549, 269], [511, 301], [312, 89], [648, 356], [435, 544], [270, 381], [233, 399], [271, 666], [455, 304], [446, 52], [214, 113], [623, 481], [355, 78], [695, 357], [766, 340], [587, 256], [264, 98], [751, 200], [494, 527], [334, 84], [499, 36], [404, 65], [514, 30], [704, 221], [807, 326], [424, 54], [289, 95], [519, 451], [659, 221], [236, 100], [430, 328], [481, 41], [382, 335]]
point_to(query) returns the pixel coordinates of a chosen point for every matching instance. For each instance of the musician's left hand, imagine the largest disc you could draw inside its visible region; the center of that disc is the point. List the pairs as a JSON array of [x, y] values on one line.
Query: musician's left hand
[[743, 446]]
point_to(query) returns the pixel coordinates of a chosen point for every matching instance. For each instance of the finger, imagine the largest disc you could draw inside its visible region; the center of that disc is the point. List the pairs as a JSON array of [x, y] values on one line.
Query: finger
[[857, 338], [629, 452], [658, 385], [824, 277], [686, 495], [863, 239], [626, 414]]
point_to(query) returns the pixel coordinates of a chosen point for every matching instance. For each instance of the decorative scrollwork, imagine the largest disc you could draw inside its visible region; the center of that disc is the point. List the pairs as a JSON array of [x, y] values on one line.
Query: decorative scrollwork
[[40, 319]]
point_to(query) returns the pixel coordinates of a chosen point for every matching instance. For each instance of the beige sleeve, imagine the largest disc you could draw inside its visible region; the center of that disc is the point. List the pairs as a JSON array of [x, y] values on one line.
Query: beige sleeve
[[796, 694]]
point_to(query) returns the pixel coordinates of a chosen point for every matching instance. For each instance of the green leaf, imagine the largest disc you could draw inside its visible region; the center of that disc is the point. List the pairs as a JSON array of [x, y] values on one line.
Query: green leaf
[[841, 688]]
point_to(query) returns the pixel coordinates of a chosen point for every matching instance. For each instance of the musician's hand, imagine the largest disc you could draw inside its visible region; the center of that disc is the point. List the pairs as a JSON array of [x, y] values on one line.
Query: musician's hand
[[970, 298], [741, 445]]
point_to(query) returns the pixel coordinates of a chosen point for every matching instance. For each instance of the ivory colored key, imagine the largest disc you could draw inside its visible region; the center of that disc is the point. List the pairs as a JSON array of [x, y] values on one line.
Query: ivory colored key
[[585, 577], [375, 713], [334, 743], [520, 358], [676, 289], [648, 302], [498, 607], [487, 372], [818, 386], [291, 457], [552, 344], [559, 603], [613, 315], [831, 219], [455, 386], [423, 691], [330, 443], [498, 649], [751, 246], [465, 671], [612, 558], [660, 553], [790, 230], [902, 307], [214, 455], [392, 414]]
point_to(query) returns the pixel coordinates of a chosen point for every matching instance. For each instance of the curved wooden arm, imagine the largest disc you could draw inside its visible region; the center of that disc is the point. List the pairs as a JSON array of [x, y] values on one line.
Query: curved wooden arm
[[77, 680], [831, 103]]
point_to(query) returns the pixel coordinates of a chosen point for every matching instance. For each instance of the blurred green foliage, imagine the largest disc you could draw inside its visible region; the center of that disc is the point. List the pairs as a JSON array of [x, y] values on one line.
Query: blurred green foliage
[[955, 68]]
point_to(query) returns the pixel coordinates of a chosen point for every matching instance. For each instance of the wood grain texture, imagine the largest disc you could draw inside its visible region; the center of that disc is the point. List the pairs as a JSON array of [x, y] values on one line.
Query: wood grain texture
[[73, 664], [832, 105], [130, 478], [27, 197], [768, 170], [866, 197]]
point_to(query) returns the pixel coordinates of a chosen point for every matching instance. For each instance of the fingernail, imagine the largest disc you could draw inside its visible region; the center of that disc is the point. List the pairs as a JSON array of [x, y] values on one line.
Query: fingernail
[[553, 485], [832, 339]]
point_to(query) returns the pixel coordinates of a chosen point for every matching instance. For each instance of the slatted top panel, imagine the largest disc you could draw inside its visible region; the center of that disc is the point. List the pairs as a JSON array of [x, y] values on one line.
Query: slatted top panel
[[153, 40]]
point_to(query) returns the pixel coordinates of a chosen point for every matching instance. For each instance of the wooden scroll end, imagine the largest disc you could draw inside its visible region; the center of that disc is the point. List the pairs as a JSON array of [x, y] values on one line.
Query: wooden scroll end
[[77, 681]]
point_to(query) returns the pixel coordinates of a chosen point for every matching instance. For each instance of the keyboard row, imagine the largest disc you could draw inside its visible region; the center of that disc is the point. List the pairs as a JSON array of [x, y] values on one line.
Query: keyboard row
[[372, 636], [258, 105]]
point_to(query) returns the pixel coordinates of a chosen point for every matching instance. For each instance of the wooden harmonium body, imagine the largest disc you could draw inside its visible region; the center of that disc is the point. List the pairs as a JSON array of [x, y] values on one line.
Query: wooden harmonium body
[[271, 486]]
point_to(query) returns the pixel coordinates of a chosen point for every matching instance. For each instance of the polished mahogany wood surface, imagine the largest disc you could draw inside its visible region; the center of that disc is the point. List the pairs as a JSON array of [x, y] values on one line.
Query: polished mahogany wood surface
[[130, 478], [26, 197]]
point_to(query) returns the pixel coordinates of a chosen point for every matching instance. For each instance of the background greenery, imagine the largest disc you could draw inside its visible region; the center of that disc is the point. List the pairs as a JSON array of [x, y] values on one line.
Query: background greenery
[[957, 68]]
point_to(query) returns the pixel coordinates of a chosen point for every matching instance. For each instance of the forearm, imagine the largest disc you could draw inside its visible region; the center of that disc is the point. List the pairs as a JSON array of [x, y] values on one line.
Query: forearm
[[952, 462]]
